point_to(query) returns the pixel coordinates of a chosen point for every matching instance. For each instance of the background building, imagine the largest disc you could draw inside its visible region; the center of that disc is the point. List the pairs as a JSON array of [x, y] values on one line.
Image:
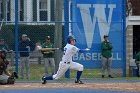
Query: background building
[[133, 29], [29, 10]]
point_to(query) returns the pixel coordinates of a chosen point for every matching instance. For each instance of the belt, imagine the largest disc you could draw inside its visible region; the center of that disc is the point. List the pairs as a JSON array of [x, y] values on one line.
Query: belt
[[67, 62]]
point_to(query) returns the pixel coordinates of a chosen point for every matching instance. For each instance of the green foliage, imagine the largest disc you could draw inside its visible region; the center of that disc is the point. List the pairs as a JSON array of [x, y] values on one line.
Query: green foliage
[[8, 34]]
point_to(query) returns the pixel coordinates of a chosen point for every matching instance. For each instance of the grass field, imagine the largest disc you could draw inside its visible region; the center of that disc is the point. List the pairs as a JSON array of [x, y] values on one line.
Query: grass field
[[37, 71]]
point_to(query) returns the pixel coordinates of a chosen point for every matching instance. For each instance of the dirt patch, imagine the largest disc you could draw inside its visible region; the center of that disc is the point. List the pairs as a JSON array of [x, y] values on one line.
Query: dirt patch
[[134, 86]]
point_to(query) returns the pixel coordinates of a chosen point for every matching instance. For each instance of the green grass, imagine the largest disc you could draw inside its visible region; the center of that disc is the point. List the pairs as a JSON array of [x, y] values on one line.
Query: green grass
[[37, 71], [87, 73]]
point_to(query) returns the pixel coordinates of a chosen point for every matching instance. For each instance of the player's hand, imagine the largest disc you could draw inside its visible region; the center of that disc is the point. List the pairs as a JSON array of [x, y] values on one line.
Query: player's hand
[[27, 46], [87, 49], [51, 51], [46, 52], [10, 50], [38, 47], [107, 41], [28, 39]]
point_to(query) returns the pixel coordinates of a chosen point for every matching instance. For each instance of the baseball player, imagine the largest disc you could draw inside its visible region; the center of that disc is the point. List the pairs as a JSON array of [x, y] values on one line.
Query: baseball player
[[66, 63], [48, 56], [5, 76], [106, 56]]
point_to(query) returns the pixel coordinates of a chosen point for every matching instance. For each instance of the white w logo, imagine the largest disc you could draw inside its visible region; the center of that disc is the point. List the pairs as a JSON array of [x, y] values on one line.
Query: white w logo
[[99, 14]]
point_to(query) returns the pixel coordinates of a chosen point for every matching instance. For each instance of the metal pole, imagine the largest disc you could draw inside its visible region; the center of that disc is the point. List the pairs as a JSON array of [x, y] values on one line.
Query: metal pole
[[124, 36], [16, 33], [66, 28]]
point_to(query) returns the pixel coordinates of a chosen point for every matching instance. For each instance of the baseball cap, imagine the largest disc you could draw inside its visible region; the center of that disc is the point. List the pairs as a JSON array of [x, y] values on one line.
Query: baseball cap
[[24, 35], [105, 36], [48, 37]]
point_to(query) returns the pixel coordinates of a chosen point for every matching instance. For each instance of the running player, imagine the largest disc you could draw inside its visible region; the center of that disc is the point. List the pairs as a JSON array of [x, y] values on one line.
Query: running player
[[67, 63]]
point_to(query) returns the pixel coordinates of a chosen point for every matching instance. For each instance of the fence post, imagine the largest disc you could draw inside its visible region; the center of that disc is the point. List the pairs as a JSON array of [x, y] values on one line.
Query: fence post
[[66, 28], [124, 36], [16, 34]]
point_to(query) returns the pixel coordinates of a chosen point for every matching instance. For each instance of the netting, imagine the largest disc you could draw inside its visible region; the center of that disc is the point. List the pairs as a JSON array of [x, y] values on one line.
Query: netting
[[38, 19]]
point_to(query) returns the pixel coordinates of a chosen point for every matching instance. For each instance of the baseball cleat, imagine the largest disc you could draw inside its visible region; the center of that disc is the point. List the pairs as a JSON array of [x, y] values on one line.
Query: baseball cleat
[[16, 75], [103, 76], [43, 80], [79, 82], [110, 76]]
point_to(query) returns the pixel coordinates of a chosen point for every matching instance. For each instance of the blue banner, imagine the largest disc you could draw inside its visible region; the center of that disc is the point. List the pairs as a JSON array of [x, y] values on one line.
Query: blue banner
[[92, 19]]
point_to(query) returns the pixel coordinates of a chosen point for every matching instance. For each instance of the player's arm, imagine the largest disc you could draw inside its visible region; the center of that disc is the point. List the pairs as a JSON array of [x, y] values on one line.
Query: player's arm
[[110, 46], [7, 73], [83, 50], [136, 57], [104, 46], [52, 51], [75, 49]]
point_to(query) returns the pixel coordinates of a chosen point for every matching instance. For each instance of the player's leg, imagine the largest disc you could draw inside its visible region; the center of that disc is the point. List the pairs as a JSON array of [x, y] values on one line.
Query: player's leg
[[104, 62], [79, 68], [22, 63], [46, 66], [138, 70], [4, 79], [27, 66], [52, 63], [109, 64], [11, 80], [63, 67]]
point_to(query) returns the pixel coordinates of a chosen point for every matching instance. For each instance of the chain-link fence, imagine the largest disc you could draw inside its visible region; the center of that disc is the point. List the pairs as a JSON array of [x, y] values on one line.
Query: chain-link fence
[[38, 19]]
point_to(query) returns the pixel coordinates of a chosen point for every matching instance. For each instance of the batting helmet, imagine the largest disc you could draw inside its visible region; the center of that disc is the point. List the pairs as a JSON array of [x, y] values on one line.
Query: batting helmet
[[70, 38]]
